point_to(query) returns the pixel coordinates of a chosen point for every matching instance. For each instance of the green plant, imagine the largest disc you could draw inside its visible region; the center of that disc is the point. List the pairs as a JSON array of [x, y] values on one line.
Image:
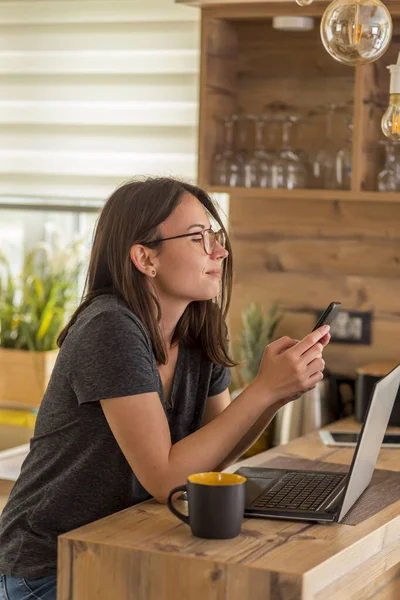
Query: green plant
[[257, 332], [34, 304]]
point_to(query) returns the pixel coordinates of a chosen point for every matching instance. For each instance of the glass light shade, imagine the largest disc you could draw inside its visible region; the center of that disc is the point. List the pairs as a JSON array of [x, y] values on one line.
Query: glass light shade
[[391, 119], [355, 32], [304, 2]]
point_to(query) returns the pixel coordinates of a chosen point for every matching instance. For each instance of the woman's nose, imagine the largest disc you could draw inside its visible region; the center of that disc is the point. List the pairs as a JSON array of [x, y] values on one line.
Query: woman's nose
[[220, 252]]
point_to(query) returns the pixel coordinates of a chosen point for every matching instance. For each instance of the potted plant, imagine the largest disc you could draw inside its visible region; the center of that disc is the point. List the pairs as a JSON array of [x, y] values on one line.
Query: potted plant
[[33, 310], [257, 332]]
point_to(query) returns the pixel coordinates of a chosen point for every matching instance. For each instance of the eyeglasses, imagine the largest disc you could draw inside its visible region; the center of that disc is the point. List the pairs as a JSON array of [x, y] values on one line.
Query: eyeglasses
[[209, 237]]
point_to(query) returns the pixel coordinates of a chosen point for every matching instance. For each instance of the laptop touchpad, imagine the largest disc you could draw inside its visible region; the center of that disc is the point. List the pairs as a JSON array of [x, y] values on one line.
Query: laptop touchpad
[[258, 484]]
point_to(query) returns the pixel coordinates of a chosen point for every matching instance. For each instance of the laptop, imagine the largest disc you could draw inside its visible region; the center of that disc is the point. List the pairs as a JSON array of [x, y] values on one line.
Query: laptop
[[324, 497]]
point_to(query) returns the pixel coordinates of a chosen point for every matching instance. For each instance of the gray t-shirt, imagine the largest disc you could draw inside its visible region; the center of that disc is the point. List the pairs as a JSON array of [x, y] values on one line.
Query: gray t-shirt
[[75, 471]]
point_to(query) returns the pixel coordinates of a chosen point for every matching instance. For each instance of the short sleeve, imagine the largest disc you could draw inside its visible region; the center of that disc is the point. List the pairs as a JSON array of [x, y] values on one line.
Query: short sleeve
[[220, 380], [111, 358]]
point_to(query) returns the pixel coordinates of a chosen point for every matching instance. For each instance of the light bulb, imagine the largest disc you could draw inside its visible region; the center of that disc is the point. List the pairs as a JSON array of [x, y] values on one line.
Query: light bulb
[[304, 2], [391, 119], [355, 32]]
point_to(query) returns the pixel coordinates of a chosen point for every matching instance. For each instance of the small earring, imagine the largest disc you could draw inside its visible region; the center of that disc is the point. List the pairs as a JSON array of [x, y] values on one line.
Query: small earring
[[153, 272]]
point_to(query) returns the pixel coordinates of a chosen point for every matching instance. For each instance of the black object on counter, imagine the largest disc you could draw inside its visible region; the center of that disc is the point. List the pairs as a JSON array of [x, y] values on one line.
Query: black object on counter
[[367, 376]]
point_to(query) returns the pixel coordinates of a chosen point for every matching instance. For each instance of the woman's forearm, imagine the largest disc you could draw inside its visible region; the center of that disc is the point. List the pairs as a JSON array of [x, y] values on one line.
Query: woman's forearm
[[249, 438], [287, 369], [208, 447]]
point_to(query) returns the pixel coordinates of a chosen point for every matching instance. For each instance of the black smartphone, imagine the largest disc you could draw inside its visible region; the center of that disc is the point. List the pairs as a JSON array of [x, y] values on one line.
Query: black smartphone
[[328, 315]]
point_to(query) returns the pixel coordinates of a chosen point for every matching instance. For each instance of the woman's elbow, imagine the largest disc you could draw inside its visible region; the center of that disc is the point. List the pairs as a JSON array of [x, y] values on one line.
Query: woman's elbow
[[161, 498]]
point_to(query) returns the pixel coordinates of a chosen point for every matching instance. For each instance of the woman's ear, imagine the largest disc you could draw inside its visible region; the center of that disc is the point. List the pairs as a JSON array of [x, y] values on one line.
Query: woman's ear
[[143, 260]]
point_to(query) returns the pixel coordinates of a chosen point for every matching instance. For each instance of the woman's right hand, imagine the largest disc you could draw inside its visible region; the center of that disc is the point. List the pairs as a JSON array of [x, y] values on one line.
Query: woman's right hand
[[290, 368]]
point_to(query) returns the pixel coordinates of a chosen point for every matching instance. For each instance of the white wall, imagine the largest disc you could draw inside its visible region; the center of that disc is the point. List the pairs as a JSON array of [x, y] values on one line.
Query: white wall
[[93, 92]]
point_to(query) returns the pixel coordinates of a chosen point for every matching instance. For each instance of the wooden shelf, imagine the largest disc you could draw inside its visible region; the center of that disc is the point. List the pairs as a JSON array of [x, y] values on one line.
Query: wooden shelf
[[301, 248], [255, 8], [237, 74], [323, 195]]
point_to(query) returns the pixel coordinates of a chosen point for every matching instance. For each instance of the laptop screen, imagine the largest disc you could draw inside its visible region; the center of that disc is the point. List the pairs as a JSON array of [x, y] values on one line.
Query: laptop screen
[[371, 437]]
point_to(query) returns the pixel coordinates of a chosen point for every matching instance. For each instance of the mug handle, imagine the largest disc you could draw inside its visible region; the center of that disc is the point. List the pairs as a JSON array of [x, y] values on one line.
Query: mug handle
[[181, 516]]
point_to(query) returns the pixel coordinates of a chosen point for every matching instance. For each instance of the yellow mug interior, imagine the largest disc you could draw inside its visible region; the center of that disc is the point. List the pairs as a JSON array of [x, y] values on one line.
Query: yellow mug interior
[[215, 478]]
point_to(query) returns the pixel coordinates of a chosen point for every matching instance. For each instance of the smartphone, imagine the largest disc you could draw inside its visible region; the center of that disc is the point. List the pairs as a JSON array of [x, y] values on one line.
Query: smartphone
[[347, 438], [328, 315]]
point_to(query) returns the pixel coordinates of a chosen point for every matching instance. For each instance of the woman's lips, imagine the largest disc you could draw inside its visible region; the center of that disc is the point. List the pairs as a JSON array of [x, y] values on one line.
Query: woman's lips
[[215, 273]]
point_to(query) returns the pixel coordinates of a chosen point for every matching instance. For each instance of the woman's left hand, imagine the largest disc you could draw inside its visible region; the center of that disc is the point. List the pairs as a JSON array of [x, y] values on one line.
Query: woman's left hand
[[324, 342]]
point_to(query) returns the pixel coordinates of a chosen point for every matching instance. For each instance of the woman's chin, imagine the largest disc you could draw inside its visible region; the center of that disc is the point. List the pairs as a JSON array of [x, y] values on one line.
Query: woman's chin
[[206, 292], [209, 296]]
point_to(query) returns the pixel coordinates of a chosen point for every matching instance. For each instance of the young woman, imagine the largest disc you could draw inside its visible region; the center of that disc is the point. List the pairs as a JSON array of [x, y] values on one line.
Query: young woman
[[139, 398]]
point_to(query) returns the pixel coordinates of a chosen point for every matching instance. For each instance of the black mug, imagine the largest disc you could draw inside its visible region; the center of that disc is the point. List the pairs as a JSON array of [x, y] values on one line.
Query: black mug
[[216, 504]]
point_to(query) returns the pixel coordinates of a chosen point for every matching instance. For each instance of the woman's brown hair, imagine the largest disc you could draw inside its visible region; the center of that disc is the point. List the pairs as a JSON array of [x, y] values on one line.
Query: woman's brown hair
[[130, 216]]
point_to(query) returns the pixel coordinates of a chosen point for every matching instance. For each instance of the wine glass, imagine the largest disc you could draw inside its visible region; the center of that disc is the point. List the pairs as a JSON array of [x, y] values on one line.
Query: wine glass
[[226, 167], [324, 163], [344, 159], [389, 177], [288, 170], [299, 147], [258, 166], [244, 154]]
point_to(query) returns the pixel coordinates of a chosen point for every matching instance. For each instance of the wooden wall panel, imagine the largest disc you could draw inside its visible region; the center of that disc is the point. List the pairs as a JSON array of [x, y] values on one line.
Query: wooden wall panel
[[307, 254], [372, 93], [269, 74], [218, 87], [266, 52], [247, 64], [338, 257], [302, 251], [262, 217], [308, 291], [238, 9], [340, 358]]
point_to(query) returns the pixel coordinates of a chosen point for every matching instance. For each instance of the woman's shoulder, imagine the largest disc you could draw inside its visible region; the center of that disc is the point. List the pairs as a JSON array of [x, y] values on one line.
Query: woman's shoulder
[[111, 314]]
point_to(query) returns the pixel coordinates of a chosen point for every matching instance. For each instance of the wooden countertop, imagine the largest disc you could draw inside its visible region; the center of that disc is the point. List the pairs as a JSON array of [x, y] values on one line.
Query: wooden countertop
[[145, 553]]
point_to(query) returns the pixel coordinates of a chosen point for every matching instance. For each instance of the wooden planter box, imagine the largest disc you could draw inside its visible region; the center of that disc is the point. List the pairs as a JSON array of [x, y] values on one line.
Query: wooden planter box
[[24, 375]]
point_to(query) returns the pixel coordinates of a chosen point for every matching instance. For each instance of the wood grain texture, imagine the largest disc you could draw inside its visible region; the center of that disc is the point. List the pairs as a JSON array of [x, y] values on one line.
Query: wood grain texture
[[262, 217], [309, 253], [339, 358], [316, 257], [320, 196], [365, 584], [247, 64], [299, 291], [145, 553], [5, 490], [372, 98], [24, 376], [218, 87], [305, 248], [237, 9]]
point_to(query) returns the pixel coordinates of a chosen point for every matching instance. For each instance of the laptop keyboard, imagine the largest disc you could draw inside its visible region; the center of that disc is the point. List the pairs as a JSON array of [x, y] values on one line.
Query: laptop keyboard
[[298, 491]]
